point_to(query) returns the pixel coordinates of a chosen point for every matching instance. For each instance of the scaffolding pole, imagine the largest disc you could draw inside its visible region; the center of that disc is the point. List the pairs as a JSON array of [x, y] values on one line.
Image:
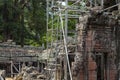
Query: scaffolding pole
[[65, 45], [61, 10], [65, 40]]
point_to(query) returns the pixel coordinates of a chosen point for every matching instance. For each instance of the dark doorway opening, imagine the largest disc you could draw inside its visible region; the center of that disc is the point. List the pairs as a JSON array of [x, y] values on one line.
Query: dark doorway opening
[[6, 67], [101, 61]]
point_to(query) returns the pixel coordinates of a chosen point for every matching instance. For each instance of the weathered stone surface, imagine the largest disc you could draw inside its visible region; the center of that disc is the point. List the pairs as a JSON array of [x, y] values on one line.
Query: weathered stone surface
[[16, 53], [96, 37], [29, 73], [2, 74]]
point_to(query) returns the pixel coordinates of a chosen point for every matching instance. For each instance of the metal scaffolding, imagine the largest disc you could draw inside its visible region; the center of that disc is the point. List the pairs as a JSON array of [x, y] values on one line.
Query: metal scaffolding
[[13, 57], [59, 12]]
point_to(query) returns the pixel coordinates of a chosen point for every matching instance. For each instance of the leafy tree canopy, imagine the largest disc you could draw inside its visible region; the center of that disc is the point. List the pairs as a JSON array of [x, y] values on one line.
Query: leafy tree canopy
[[23, 21]]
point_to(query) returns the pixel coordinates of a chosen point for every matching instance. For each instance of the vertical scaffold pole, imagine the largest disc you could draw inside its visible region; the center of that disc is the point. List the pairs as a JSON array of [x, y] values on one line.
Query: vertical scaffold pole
[[66, 28], [65, 45]]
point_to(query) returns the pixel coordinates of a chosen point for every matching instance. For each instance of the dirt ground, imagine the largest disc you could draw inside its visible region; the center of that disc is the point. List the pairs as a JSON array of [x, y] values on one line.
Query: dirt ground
[[9, 79]]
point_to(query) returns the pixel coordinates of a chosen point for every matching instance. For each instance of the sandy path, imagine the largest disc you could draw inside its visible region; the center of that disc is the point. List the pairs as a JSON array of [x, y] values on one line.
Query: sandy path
[[9, 79]]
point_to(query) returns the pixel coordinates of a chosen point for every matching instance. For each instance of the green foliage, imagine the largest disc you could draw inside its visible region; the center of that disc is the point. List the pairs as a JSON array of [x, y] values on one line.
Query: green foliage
[[23, 21]]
